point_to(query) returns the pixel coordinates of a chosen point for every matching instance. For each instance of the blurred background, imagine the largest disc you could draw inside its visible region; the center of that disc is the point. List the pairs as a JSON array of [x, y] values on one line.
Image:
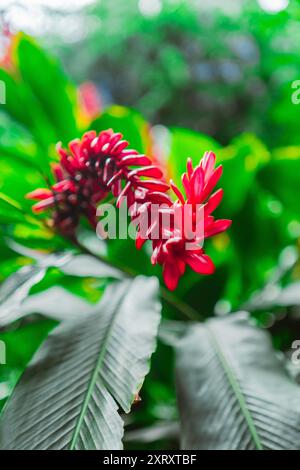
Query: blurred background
[[177, 78], [221, 67]]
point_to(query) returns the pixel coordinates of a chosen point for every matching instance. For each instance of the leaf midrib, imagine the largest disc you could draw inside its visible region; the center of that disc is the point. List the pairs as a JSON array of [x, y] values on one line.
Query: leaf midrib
[[94, 377], [236, 389]]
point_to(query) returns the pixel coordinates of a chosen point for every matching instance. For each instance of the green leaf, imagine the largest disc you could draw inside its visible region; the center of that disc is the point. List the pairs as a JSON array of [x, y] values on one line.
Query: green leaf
[[184, 144], [287, 296], [259, 235], [45, 303], [67, 398], [127, 121], [17, 179], [86, 265], [56, 95], [23, 106], [83, 275], [81, 265], [15, 289], [241, 160], [10, 210], [20, 345], [14, 106], [281, 178], [233, 391], [18, 143], [15, 301]]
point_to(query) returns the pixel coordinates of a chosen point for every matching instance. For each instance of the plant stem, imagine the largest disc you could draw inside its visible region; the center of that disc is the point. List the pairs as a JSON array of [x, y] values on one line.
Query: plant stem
[[186, 310]]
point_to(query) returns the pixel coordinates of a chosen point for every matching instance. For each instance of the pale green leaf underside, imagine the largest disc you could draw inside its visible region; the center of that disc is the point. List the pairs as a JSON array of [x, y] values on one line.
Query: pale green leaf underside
[[233, 391], [68, 398]]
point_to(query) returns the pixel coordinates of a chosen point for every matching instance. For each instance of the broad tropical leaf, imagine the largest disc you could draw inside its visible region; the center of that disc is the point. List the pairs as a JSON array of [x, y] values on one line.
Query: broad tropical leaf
[[233, 390], [20, 345], [68, 397], [245, 155], [24, 107], [10, 210], [281, 178], [15, 301], [80, 265], [45, 303], [54, 92], [86, 265], [286, 296], [129, 122], [15, 289]]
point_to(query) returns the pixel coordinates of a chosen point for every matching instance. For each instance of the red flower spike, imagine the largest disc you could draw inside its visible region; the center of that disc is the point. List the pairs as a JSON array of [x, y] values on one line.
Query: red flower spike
[[135, 160], [150, 171], [45, 204], [88, 171], [189, 167], [213, 202], [177, 192], [208, 163], [153, 184], [39, 194], [177, 251], [57, 172], [99, 164]]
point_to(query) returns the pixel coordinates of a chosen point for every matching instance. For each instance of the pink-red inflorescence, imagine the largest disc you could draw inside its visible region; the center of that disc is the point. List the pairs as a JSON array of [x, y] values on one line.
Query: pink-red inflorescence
[[101, 164]]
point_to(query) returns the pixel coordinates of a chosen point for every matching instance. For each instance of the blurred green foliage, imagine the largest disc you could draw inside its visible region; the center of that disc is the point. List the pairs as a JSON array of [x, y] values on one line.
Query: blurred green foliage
[[221, 69], [21, 341], [250, 123]]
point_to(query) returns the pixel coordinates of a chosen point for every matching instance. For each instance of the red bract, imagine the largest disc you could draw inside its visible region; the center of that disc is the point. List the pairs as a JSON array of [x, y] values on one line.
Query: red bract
[[101, 164], [179, 250], [87, 172]]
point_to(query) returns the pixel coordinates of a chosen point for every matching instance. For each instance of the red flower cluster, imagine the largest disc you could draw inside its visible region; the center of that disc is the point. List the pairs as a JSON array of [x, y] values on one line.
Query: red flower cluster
[[93, 167], [179, 245], [100, 164]]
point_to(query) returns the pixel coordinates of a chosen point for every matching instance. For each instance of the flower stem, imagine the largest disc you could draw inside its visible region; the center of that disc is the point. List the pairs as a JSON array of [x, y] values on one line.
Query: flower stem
[[181, 306], [186, 310]]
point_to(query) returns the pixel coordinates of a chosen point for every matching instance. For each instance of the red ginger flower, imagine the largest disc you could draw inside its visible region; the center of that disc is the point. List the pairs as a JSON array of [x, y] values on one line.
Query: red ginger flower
[[99, 164], [93, 167], [178, 250]]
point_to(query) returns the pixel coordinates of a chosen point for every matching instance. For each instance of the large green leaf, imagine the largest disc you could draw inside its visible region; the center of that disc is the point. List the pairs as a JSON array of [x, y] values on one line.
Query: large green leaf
[[17, 178], [259, 234], [20, 345], [273, 296], [82, 265], [17, 142], [14, 106], [184, 144], [233, 391], [15, 289], [23, 106], [67, 398], [281, 178], [47, 82], [10, 210], [127, 121], [15, 301], [70, 306], [241, 160]]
